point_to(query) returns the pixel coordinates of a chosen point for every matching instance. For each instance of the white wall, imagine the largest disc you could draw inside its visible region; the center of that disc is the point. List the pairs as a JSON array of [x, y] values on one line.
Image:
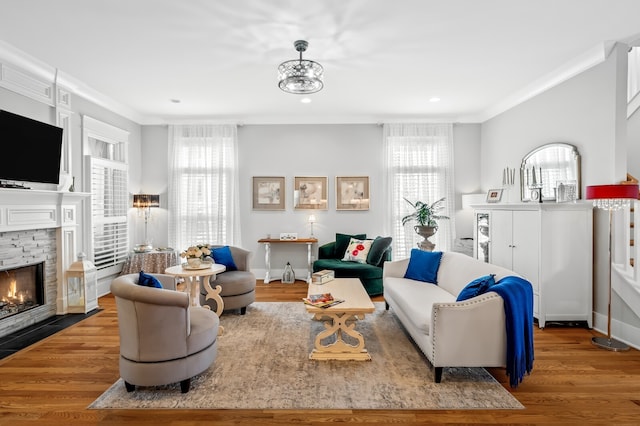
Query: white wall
[[303, 150], [584, 111], [633, 139], [466, 144]]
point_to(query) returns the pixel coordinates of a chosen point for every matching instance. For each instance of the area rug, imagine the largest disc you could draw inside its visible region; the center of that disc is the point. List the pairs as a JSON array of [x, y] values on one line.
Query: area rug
[[263, 363]]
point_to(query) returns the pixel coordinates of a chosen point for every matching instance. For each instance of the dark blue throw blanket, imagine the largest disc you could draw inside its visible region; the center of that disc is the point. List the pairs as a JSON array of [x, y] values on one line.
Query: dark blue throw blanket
[[518, 308]]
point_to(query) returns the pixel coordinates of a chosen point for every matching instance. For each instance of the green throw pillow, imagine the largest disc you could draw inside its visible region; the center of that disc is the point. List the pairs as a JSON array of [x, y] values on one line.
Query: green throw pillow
[[342, 242], [378, 248]]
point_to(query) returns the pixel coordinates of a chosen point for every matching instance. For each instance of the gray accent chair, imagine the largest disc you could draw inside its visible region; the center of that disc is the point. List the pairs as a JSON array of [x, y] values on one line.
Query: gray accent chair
[[162, 339], [238, 287]]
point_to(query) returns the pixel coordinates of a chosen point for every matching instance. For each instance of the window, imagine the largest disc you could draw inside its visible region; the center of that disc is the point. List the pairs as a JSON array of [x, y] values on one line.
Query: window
[[203, 185], [418, 167], [107, 174]]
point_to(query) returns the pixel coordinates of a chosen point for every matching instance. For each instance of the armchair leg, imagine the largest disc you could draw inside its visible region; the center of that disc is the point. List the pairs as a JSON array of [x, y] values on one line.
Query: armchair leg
[[243, 310], [129, 386], [185, 385], [437, 374]]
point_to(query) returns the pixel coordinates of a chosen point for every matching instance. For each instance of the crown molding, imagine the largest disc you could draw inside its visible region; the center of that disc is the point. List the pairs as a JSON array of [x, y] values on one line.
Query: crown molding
[[19, 61], [22, 61], [594, 56]]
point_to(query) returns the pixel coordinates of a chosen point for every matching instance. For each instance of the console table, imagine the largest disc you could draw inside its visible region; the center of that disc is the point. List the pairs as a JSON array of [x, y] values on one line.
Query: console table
[[151, 262], [267, 253]]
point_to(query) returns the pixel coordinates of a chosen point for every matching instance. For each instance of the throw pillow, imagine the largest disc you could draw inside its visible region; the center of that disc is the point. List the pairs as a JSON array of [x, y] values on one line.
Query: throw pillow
[[476, 287], [342, 242], [357, 251], [222, 256], [423, 266], [148, 280], [378, 248]]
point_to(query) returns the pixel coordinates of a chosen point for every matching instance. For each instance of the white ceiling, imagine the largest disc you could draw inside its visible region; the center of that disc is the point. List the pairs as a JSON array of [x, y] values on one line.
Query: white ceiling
[[383, 59]]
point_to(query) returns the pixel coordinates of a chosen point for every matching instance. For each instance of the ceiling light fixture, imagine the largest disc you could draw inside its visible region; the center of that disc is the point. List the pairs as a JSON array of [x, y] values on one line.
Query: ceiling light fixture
[[300, 76]]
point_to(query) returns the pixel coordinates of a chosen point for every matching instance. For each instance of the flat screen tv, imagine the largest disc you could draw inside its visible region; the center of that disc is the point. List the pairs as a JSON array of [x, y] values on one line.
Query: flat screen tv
[[39, 146]]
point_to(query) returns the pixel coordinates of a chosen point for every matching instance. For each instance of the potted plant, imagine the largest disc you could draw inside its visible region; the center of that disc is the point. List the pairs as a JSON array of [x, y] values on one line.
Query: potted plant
[[196, 255], [426, 215]]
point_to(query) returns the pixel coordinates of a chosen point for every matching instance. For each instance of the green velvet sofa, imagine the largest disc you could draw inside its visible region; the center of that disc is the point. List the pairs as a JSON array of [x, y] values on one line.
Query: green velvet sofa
[[330, 256]]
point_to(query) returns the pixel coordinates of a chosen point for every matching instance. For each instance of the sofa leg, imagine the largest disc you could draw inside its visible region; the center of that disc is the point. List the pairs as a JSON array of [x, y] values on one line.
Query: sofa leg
[[437, 374], [185, 385], [129, 386], [243, 310], [386, 306]]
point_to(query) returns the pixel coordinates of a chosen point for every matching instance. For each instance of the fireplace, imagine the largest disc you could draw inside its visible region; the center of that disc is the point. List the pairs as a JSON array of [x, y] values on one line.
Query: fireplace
[[38, 231], [21, 289]]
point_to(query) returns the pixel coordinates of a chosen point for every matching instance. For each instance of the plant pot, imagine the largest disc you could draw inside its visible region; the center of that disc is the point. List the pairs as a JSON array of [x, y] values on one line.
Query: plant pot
[[425, 232], [194, 262]]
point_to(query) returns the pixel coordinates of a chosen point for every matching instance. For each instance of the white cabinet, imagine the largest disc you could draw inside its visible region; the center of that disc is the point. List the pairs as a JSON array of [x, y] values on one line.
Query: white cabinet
[[548, 244]]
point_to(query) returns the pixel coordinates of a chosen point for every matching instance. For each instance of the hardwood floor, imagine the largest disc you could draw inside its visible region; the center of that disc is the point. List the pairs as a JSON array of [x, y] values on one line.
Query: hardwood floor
[[573, 382]]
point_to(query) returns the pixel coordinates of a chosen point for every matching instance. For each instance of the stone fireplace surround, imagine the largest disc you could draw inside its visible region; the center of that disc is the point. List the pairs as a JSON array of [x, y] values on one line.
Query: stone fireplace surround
[[39, 226]]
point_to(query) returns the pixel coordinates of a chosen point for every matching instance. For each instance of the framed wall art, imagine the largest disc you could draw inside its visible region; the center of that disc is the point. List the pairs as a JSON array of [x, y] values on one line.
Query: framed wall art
[[352, 193], [268, 193], [310, 193], [494, 195]]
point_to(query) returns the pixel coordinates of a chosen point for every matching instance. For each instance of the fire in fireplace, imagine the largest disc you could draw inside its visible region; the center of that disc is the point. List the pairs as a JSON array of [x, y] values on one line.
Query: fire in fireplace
[[21, 289]]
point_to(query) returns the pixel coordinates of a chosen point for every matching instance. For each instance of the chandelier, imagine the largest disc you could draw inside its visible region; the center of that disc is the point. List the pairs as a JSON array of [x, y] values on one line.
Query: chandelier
[[300, 76]]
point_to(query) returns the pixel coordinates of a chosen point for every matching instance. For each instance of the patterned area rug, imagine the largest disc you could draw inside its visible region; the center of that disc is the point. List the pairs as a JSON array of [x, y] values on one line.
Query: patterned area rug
[[263, 363]]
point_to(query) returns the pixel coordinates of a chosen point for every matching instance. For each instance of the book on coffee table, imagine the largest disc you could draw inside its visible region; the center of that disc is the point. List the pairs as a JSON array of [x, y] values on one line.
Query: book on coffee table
[[321, 300]]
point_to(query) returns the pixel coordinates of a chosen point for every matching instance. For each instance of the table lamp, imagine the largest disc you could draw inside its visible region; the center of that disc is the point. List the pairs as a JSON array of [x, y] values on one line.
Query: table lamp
[[144, 202], [611, 197], [311, 220]]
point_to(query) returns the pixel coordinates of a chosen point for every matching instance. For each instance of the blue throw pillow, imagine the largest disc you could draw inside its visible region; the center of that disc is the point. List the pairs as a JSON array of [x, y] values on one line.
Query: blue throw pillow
[[476, 287], [222, 256], [423, 266], [148, 280]]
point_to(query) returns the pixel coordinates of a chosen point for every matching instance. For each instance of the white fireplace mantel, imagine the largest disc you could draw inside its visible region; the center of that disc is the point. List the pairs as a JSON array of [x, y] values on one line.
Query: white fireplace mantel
[[22, 209], [29, 209]]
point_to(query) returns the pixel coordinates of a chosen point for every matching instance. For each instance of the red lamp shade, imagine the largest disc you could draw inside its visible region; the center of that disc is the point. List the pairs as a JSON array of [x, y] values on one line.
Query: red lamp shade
[[599, 192]]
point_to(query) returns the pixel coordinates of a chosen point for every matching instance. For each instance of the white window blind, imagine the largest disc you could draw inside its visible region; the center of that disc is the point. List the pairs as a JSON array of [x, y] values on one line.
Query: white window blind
[[203, 185], [109, 207], [106, 173], [418, 167]]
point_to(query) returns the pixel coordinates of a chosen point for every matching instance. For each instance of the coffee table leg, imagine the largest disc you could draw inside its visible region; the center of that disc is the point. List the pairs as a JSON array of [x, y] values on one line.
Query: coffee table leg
[[339, 324]]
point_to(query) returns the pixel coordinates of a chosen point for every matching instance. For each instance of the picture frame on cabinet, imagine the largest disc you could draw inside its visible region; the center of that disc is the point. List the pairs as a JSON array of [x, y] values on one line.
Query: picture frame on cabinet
[[494, 195], [268, 193], [310, 193], [352, 193]]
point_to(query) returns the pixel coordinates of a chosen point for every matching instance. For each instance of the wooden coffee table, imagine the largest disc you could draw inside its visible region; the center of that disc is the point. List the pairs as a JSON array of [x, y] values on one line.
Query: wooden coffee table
[[341, 319]]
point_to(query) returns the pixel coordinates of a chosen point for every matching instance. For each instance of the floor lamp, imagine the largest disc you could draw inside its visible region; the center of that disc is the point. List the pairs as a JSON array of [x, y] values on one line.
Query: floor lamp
[[611, 197], [144, 202]]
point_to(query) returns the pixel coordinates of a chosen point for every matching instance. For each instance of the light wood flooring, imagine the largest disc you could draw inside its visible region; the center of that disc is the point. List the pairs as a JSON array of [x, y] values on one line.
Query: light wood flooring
[[573, 382]]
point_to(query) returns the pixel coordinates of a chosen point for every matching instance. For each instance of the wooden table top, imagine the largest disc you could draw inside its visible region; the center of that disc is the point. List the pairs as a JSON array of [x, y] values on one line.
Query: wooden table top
[[351, 290], [298, 240]]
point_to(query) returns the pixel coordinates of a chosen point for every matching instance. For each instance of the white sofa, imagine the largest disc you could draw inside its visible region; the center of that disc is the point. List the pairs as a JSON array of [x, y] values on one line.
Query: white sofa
[[469, 333]]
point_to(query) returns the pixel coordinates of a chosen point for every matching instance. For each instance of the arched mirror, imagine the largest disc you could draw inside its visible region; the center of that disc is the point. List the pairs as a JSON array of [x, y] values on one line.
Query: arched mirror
[[551, 171]]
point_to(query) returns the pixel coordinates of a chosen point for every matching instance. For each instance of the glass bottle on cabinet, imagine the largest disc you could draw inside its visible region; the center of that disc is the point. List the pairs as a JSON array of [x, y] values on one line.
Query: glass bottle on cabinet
[[482, 236]]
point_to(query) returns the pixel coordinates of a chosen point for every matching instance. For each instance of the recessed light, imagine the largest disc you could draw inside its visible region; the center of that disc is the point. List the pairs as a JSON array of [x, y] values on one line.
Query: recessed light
[[434, 99], [305, 100], [175, 101]]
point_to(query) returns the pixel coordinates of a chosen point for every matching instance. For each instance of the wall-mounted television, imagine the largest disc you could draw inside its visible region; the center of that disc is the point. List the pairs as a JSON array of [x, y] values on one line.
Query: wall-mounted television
[[38, 146]]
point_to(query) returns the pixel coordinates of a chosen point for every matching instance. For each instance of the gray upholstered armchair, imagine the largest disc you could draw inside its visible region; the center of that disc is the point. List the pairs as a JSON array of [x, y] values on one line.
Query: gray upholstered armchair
[[162, 339], [238, 286]]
